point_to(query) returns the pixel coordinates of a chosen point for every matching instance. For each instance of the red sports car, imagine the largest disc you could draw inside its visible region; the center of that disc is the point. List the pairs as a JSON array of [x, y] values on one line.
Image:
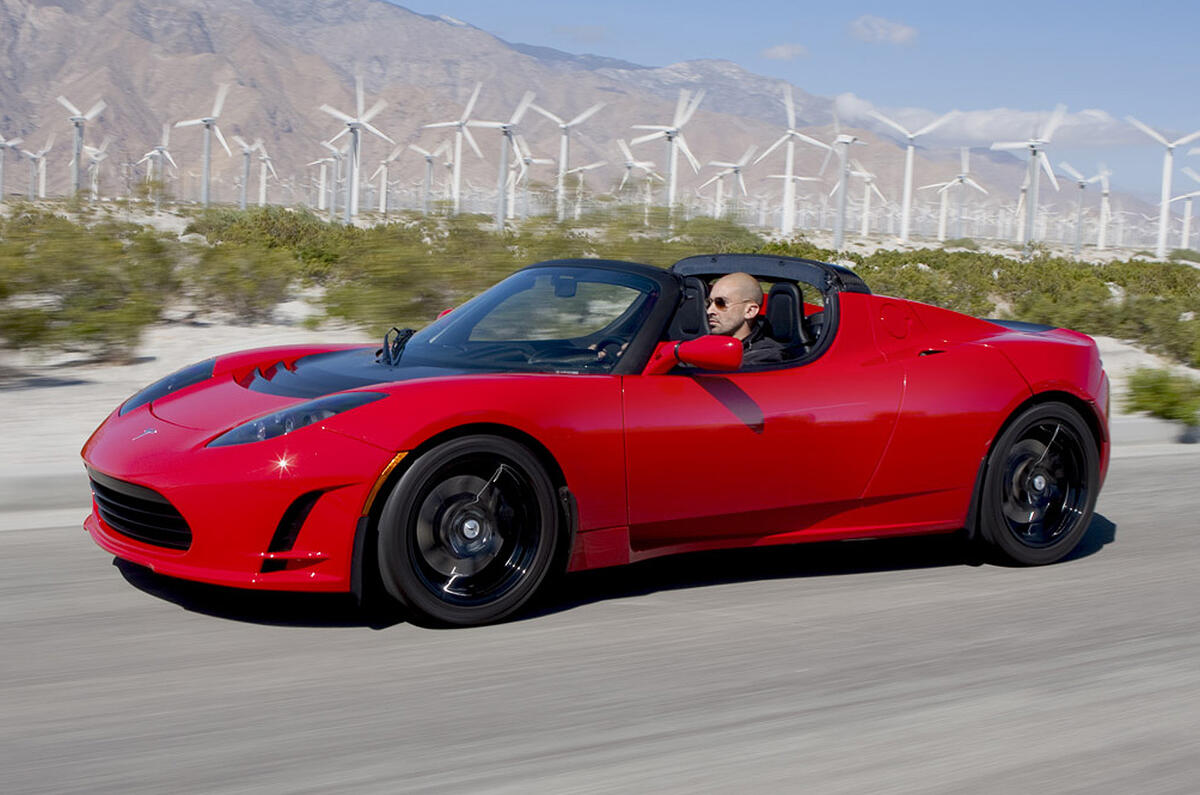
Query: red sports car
[[579, 415]]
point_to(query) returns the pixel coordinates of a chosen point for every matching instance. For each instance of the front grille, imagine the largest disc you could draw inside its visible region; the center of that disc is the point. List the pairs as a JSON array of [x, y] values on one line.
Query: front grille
[[140, 513]]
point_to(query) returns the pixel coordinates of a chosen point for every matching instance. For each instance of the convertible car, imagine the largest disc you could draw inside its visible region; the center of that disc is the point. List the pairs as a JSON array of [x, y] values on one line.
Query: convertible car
[[579, 415]]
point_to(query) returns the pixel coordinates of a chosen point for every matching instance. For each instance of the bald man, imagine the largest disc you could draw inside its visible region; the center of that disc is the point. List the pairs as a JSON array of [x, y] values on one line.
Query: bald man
[[734, 302]]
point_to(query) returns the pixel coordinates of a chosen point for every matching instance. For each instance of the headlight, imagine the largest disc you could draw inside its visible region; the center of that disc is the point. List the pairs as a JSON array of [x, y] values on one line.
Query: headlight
[[192, 374], [288, 420]]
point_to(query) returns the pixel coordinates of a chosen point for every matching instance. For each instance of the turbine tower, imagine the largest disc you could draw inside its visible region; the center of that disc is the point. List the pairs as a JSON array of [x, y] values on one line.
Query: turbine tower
[[1164, 209], [1082, 182], [78, 118], [7, 143], [630, 163], [360, 121], [581, 170], [1185, 234], [1037, 159], [96, 155], [869, 187], [560, 196], [788, 212], [460, 132], [37, 169], [383, 180], [906, 200], [507, 130], [1105, 208], [673, 134], [264, 165], [247, 151], [210, 127], [429, 158]]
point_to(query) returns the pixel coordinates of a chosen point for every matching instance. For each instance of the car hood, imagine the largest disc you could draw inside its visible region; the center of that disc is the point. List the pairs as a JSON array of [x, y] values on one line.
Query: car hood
[[236, 397]]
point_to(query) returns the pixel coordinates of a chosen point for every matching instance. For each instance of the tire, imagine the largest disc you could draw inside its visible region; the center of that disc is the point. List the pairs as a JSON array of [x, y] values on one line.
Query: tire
[[1040, 486], [469, 532]]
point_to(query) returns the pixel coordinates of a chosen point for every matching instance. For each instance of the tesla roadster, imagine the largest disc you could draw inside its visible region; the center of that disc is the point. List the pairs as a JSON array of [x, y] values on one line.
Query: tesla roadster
[[578, 415]]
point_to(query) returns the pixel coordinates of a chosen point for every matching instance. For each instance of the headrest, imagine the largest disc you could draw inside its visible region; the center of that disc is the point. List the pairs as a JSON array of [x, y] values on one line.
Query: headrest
[[691, 318], [785, 313]]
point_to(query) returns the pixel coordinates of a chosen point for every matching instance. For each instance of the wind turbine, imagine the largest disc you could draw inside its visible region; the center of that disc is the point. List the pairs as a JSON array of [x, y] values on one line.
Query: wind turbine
[[1082, 182], [37, 169], [906, 201], [321, 179], [96, 155], [210, 126], [673, 134], [78, 118], [1105, 207], [338, 156], [787, 220], [247, 151], [460, 131], [507, 130], [1035, 145], [581, 170], [869, 187], [560, 196], [360, 121], [630, 163], [734, 168], [962, 178], [841, 145], [7, 143], [1164, 210], [429, 158], [264, 164], [1186, 233], [383, 180], [527, 161]]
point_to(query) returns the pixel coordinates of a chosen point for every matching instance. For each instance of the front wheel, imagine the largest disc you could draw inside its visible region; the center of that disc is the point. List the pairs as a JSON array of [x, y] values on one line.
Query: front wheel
[[469, 532], [1040, 486]]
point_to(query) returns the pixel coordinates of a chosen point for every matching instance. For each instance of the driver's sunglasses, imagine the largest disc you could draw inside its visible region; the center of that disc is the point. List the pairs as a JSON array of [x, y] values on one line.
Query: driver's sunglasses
[[722, 303]]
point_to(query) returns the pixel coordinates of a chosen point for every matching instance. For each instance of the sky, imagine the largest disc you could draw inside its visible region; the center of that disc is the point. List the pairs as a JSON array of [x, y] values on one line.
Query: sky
[[1004, 63]]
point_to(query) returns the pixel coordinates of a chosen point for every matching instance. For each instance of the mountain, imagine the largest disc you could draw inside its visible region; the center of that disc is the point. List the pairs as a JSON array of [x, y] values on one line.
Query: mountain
[[156, 61]]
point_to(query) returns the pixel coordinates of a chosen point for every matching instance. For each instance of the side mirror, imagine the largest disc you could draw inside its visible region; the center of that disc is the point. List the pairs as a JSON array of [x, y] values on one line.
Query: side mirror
[[710, 352]]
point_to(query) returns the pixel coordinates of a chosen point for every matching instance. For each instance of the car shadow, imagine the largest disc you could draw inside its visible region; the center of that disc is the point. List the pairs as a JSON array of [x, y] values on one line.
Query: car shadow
[[794, 561], [274, 608], [692, 570]]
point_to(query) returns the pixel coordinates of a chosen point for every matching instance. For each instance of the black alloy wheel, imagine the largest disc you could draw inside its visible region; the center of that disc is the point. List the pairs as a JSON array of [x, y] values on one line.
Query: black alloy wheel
[[1040, 487], [469, 532]]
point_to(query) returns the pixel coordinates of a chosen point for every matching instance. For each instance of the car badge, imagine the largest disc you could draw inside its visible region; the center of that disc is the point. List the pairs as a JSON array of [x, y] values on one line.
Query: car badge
[[146, 432]]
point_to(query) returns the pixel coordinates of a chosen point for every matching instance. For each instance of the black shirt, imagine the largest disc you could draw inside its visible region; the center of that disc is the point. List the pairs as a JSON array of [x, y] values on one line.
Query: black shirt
[[759, 348]]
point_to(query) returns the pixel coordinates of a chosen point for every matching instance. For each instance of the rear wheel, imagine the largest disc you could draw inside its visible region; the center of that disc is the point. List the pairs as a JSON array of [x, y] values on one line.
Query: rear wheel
[[1040, 487], [469, 532]]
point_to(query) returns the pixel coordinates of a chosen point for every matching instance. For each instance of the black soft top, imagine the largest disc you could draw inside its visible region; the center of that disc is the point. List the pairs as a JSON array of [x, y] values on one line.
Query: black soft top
[[823, 275]]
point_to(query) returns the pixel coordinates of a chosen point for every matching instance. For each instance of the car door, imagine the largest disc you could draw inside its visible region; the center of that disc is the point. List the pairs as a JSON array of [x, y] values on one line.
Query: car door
[[714, 457]]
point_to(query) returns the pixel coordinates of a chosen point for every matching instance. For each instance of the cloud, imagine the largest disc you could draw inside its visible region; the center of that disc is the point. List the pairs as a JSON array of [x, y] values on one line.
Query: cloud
[[877, 30], [785, 52], [582, 34]]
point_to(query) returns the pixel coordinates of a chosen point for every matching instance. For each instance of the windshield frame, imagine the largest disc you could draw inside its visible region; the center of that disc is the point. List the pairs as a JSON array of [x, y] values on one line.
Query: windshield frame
[[637, 352]]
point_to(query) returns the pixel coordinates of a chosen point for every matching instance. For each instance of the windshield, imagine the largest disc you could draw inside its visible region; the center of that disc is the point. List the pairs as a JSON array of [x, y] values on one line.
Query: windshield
[[572, 319]]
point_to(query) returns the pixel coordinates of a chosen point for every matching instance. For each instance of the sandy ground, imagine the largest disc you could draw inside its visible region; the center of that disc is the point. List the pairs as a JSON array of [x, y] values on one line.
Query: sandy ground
[[51, 403]]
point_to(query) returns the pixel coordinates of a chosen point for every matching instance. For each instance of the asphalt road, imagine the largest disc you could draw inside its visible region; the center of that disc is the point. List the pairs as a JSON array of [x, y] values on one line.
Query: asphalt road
[[882, 666]]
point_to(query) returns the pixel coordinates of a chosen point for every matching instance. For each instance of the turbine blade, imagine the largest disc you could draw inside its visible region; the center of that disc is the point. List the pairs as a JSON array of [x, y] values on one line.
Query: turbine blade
[[240, 141], [975, 185], [894, 125], [680, 106], [1152, 133], [878, 192], [222, 92], [587, 114], [772, 148], [624, 149], [964, 158], [471, 103], [681, 142], [1187, 139], [710, 181], [1070, 169], [371, 128], [933, 125], [189, 123], [1056, 118], [1188, 170], [789, 106], [221, 138], [345, 130], [66, 103], [660, 127], [546, 113], [742, 184], [624, 178], [95, 110], [395, 152], [812, 141], [471, 140], [1010, 145], [441, 124], [691, 110], [522, 106], [749, 154], [1049, 171], [170, 159], [643, 138], [166, 136], [379, 105], [489, 125], [359, 98], [337, 114]]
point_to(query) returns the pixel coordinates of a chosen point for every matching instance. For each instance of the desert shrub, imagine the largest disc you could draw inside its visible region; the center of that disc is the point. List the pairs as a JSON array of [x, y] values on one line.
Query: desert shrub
[[961, 242], [246, 280], [1171, 397], [82, 288], [1183, 255]]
